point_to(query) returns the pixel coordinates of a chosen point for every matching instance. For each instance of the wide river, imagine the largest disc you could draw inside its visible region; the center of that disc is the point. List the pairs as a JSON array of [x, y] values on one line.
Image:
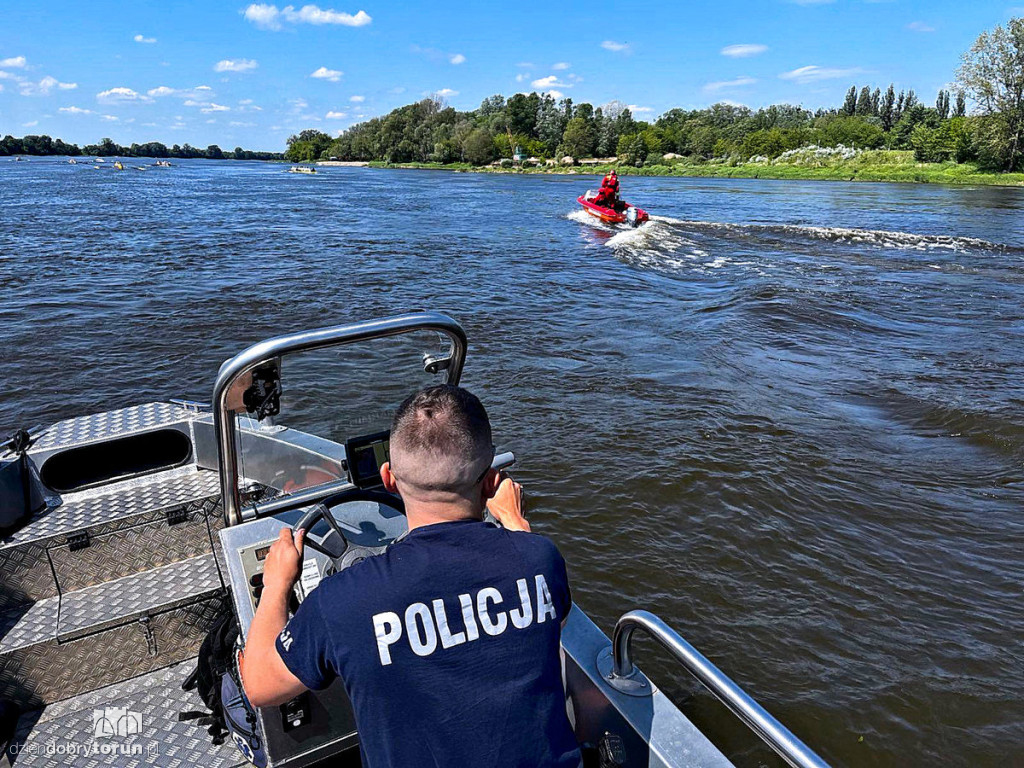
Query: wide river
[[786, 417]]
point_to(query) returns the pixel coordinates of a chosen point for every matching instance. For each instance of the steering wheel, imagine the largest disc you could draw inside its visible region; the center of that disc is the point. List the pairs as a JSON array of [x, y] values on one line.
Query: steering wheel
[[335, 544]]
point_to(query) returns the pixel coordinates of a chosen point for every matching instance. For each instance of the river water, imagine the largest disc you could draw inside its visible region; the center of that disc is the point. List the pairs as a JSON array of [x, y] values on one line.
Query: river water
[[784, 416]]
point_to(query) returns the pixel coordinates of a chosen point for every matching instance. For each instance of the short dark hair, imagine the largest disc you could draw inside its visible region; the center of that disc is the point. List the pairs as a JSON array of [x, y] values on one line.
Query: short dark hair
[[449, 425]]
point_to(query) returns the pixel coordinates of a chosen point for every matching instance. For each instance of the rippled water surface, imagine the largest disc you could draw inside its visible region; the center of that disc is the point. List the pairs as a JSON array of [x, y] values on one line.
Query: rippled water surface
[[784, 416]]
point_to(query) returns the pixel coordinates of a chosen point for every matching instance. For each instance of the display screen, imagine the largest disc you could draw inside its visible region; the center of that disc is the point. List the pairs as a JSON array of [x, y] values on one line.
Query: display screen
[[365, 456], [261, 553]]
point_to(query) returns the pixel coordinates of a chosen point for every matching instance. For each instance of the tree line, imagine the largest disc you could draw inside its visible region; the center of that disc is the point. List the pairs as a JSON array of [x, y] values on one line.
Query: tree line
[[430, 131], [45, 145]]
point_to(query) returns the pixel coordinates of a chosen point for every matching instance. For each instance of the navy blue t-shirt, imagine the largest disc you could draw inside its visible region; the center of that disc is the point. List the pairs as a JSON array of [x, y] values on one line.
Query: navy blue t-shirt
[[448, 645]]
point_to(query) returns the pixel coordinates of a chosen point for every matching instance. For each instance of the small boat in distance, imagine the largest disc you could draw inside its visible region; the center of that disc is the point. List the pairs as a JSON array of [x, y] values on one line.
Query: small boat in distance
[[301, 169], [162, 163], [622, 213], [72, 161]]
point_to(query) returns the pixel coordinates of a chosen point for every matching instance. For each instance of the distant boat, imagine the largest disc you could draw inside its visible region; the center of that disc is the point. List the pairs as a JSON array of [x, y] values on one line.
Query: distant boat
[[72, 161], [301, 169], [99, 160], [162, 163]]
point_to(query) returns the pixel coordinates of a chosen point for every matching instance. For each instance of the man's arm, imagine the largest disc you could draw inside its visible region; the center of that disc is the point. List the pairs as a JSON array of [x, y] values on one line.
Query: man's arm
[[507, 505], [266, 679]]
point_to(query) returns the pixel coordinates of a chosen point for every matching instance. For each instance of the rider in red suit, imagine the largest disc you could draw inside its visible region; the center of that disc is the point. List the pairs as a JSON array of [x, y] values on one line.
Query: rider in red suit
[[608, 195]]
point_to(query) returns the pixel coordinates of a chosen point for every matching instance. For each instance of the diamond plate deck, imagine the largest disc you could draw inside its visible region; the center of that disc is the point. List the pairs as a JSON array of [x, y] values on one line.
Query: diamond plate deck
[[163, 741], [104, 426], [36, 563], [157, 492], [115, 602], [45, 672]]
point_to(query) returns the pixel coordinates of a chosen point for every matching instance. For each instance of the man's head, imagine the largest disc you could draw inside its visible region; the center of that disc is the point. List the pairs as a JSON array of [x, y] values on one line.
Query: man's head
[[441, 450], [614, 173]]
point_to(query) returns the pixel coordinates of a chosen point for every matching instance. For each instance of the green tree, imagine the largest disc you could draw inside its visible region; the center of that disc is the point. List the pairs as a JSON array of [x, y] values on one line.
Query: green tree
[[479, 147], [992, 73], [855, 132], [961, 105], [579, 139], [850, 105], [863, 104], [887, 109], [213, 152]]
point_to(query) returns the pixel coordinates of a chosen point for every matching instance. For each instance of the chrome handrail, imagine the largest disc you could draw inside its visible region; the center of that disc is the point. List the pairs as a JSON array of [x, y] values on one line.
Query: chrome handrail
[[306, 341], [771, 731]]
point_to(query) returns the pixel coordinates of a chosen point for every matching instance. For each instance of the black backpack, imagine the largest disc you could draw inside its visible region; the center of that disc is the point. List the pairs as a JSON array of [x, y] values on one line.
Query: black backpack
[[215, 679], [215, 658]]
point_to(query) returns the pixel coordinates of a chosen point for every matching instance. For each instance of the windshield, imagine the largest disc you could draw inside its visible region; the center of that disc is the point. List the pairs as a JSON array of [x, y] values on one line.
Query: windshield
[[329, 397]]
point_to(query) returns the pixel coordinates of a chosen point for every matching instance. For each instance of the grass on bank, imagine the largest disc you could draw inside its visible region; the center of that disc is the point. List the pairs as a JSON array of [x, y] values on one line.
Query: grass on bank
[[874, 165]]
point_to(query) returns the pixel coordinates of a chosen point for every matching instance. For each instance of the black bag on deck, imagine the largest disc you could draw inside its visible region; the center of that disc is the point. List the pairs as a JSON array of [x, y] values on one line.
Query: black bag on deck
[[21, 493], [215, 679]]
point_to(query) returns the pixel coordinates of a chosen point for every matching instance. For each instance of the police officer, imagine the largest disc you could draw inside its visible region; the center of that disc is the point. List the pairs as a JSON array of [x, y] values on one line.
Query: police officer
[[448, 643]]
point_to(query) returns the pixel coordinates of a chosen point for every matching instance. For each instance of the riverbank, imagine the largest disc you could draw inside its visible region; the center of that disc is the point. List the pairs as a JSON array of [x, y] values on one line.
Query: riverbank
[[878, 166]]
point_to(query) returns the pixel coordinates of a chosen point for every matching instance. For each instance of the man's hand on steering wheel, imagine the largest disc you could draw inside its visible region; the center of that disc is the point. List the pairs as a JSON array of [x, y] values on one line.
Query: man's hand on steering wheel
[[284, 561]]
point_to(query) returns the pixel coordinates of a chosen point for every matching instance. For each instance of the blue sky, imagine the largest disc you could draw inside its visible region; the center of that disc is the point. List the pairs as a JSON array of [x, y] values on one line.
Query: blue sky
[[235, 73]]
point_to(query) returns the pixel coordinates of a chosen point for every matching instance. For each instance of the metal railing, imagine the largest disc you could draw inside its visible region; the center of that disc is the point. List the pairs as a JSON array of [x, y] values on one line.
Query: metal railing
[[306, 341], [771, 731]]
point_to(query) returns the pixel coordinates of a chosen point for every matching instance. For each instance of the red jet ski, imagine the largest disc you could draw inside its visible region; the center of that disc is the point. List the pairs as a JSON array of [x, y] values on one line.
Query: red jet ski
[[622, 213]]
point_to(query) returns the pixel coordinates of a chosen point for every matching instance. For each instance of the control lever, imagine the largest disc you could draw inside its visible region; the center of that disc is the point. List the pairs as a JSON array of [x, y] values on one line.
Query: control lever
[[503, 460]]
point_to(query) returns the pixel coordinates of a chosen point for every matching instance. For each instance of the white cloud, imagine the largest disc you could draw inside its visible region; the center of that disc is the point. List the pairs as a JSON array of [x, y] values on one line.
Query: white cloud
[[30, 124], [9, 76], [332, 115], [814, 74], [560, 65], [240, 124], [1, 86], [267, 16], [75, 111], [920, 26], [334, 75], [738, 82], [445, 92], [611, 45], [211, 107], [245, 102], [551, 81], [637, 109], [457, 58], [235, 65], [15, 62], [554, 94], [357, 99], [522, 76], [118, 95], [44, 86], [143, 39], [743, 50], [109, 118], [199, 91]]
